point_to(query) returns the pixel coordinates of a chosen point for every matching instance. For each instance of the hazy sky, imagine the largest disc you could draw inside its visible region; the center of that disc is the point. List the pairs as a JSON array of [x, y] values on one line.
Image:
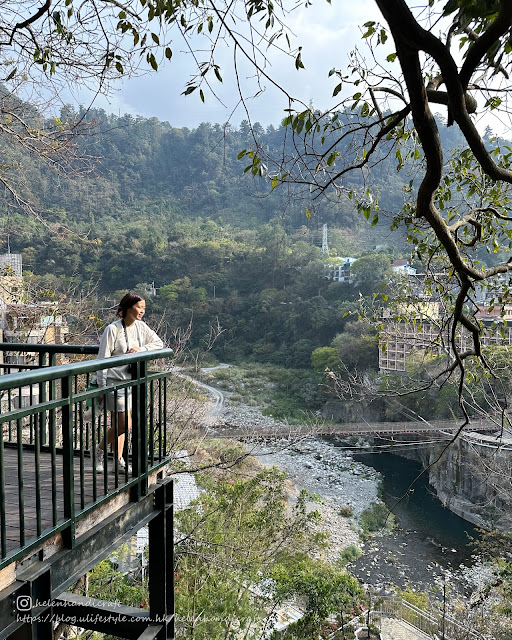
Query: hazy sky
[[327, 33]]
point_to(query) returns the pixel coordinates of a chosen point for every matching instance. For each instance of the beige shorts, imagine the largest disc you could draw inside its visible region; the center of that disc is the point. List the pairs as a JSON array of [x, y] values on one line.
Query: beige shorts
[[124, 399]]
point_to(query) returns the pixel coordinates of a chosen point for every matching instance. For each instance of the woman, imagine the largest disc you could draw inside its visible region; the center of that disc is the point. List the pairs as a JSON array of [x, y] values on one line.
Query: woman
[[126, 335]]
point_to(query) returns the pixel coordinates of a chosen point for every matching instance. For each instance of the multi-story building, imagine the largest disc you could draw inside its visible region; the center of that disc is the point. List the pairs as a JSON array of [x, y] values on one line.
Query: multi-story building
[[427, 330], [39, 323], [339, 269]]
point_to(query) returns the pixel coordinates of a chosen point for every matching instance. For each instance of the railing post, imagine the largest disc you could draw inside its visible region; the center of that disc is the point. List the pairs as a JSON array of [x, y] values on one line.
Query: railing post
[[43, 362], [143, 413], [140, 431], [68, 462], [161, 562]]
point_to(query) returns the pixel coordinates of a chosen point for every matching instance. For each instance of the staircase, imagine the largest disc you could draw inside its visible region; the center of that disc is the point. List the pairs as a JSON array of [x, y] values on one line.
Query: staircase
[[393, 629]]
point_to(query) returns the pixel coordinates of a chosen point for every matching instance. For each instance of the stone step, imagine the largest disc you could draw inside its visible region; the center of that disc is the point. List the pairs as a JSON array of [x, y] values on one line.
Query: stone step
[[392, 629]]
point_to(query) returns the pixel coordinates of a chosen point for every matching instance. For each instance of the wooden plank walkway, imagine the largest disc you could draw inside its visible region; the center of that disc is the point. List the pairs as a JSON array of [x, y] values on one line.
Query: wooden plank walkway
[[51, 507]]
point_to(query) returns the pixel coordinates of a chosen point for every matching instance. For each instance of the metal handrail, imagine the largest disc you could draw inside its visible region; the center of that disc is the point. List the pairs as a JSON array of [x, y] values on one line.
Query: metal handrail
[[47, 483], [433, 623]]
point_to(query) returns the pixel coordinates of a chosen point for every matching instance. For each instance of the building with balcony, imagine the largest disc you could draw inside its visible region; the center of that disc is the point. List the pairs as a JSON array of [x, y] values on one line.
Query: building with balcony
[[427, 331]]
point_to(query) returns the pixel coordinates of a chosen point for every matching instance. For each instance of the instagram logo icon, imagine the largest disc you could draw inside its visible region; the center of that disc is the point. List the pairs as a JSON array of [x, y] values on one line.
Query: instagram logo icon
[[23, 603]]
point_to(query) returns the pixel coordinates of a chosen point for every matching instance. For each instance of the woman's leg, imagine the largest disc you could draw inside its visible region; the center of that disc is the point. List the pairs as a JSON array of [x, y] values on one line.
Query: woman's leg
[[124, 421]]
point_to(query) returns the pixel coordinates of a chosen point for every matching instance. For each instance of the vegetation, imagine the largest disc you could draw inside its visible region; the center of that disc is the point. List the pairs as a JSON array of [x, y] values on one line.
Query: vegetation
[[451, 212], [281, 393], [241, 552], [375, 518], [351, 553]]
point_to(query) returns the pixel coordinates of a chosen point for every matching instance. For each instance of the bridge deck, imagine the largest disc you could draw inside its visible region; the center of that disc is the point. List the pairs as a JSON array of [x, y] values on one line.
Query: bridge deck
[[441, 429]]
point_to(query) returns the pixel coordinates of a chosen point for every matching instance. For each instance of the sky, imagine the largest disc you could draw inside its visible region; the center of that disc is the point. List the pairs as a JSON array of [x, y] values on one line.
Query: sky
[[327, 33]]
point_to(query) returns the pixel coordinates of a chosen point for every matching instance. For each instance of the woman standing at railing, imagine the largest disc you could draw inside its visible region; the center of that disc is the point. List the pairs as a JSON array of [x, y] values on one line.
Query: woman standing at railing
[[128, 334]]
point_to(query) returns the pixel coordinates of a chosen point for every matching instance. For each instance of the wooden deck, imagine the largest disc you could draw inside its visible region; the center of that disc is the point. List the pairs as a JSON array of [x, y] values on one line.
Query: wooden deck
[[51, 507]]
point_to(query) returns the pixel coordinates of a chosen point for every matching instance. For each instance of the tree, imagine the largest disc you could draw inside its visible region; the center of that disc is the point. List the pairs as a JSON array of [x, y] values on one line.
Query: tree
[[357, 347], [232, 538], [371, 272], [390, 102], [325, 358], [324, 152]]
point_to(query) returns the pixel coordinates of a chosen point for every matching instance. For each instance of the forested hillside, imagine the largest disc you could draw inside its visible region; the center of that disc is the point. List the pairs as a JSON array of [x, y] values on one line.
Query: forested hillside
[[174, 207]]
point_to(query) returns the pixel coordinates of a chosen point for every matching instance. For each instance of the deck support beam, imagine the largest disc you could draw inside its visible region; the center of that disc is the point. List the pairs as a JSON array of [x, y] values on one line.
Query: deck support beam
[[31, 605]]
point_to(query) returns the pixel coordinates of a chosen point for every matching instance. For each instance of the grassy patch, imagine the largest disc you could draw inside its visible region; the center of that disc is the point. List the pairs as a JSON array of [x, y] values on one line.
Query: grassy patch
[[376, 518], [290, 394], [351, 553]]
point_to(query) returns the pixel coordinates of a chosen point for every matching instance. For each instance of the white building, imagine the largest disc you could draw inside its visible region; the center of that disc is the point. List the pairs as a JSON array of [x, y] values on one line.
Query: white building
[[339, 269]]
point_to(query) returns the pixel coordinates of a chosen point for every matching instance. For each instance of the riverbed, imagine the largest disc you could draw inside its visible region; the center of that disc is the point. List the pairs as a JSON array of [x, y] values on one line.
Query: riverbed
[[428, 544]]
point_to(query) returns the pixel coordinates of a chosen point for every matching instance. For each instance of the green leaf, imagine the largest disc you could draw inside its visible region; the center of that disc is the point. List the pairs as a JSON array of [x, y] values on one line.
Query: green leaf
[[298, 62], [391, 57], [201, 95], [370, 26], [331, 159], [168, 53], [152, 61], [12, 74], [156, 39], [337, 89], [493, 102]]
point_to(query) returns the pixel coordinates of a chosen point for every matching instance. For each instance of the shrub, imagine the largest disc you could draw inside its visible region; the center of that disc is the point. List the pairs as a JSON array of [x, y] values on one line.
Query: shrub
[[375, 518], [351, 553]]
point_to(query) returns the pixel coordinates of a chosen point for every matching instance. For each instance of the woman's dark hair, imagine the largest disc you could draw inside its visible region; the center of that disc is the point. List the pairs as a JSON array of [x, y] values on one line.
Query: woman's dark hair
[[126, 303]]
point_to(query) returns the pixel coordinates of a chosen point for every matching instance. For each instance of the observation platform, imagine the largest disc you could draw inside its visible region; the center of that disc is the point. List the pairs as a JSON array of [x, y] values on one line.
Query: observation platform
[[58, 516]]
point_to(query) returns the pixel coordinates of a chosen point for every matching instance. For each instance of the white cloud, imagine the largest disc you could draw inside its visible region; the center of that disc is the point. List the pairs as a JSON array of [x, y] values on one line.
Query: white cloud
[[327, 32]]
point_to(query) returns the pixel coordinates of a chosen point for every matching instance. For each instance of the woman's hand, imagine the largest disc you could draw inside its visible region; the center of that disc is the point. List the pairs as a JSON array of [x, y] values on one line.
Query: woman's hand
[[134, 350]]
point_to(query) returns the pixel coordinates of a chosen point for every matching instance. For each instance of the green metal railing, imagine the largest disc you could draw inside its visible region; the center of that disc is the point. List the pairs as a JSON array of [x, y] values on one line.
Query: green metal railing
[[48, 480]]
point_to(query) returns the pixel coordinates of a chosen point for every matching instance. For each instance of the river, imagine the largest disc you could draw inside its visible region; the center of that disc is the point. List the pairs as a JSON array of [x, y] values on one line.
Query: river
[[429, 542]]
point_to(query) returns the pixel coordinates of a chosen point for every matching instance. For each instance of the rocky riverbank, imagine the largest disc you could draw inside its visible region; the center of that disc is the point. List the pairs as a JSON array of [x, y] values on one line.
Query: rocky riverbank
[[346, 488], [403, 558]]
